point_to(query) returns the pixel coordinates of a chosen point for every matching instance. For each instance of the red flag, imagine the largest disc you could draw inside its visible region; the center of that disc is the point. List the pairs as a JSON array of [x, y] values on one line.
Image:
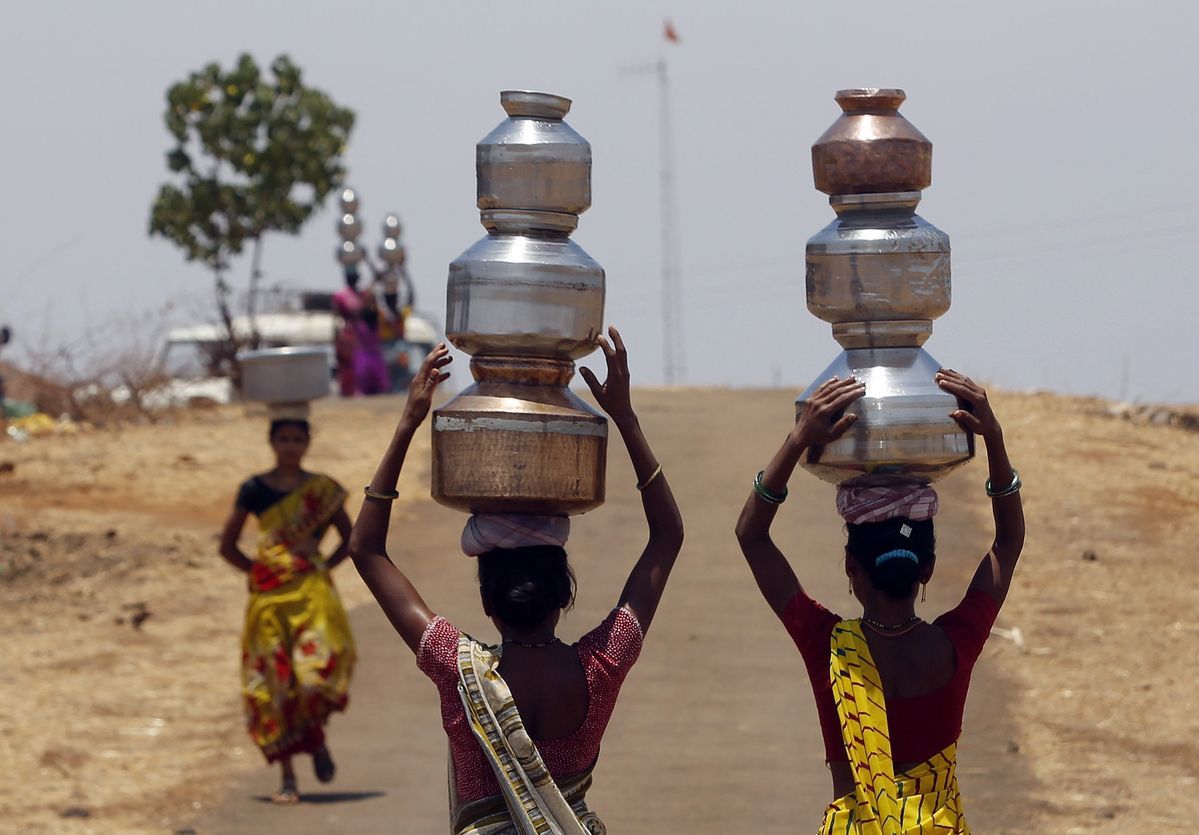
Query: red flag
[[669, 33]]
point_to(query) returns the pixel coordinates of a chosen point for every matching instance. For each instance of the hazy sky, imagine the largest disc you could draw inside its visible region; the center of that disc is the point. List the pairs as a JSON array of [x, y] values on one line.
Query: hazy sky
[[1064, 167]]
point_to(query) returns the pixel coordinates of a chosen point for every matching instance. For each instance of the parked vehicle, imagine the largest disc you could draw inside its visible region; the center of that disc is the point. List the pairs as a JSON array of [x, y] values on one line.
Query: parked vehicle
[[189, 358]]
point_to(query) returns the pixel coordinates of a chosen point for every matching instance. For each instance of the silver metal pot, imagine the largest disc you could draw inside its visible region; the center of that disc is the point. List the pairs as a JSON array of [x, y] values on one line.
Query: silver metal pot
[[534, 294], [878, 262], [284, 375], [880, 275], [349, 254], [525, 301], [903, 430], [533, 159]]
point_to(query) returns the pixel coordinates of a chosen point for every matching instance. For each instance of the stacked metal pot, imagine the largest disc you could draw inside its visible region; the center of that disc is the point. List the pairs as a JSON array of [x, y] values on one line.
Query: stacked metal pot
[[349, 253], [525, 302], [879, 274], [285, 379]]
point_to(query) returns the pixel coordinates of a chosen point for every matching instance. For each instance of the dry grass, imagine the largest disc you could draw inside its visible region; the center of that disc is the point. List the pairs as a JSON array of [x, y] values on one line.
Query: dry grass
[[1105, 599]]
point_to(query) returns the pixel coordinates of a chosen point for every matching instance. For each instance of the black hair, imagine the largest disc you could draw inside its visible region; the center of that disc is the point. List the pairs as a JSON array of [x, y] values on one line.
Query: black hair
[[282, 423], [895, 577], [521, 586]]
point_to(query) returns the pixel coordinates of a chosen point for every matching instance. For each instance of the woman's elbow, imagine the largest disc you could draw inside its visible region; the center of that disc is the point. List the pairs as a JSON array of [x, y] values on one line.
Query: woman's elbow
[[354, 544], [667, 538], [746, 532], [361, 544], [1009, 547]]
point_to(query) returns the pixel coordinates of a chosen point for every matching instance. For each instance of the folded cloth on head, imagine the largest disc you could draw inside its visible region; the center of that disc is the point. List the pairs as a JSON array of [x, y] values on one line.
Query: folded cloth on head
[[288, 411], [488, 531], [861, 505]]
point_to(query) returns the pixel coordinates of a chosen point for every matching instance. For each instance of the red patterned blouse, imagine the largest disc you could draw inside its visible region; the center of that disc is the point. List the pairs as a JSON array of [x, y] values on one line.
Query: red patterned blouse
[[606, 653]]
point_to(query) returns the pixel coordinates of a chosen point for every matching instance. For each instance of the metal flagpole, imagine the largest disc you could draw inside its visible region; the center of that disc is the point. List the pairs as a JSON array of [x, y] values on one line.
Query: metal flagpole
[[672, 320], [673, 356]]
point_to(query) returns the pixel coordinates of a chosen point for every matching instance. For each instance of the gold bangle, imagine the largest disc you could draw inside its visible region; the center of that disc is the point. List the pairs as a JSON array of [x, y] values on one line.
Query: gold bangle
[[657, 472], [383, 497]]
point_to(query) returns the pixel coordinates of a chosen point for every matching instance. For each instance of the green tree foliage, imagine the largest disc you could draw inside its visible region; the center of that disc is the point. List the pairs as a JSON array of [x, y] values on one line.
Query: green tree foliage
[[252, 155]]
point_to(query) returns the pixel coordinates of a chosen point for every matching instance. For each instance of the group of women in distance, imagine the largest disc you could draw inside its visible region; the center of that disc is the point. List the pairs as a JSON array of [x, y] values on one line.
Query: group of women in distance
[[525, 716]]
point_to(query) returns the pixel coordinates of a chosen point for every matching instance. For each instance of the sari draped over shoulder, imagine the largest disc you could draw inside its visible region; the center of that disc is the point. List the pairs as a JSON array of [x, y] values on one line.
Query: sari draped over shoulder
[[288, 526], [297, 648], [921, 801], [531, 802]]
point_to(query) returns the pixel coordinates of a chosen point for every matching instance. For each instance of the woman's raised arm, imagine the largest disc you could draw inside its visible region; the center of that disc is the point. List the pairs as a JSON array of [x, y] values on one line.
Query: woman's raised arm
[[643, 590], [368, 540], [994, 574], [823, 421]]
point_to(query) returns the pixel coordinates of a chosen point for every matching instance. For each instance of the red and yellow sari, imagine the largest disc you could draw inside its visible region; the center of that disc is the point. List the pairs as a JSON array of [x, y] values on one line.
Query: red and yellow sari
[[921, 801], [297, 649]]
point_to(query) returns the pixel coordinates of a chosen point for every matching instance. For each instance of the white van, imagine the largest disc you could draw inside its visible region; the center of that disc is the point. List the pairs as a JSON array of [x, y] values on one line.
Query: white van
[[188, 356]]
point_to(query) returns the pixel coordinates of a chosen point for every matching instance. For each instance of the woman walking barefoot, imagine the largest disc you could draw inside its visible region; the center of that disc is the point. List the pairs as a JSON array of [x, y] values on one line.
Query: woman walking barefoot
[[890, 688], [525, 716], [297, 650]]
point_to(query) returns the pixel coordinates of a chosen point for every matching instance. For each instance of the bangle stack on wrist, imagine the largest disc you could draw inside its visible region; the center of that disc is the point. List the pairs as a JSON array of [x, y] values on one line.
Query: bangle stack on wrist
[[765, 495], [1011, 489]]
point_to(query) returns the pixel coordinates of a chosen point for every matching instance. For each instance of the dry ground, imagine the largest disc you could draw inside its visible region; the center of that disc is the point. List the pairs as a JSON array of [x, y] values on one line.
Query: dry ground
[[118, 709], [1107, 603]]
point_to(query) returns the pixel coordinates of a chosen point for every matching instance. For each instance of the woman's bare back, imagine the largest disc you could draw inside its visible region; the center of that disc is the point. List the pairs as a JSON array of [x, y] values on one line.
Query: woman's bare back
[[549, 688]]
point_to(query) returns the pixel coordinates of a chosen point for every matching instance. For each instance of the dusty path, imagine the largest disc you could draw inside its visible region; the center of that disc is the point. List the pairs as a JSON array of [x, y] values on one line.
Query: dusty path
[[715, 731]]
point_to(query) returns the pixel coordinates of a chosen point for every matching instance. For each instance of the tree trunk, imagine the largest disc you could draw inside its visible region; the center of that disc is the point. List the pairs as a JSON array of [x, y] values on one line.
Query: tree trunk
[[226, 358], [252, 298]]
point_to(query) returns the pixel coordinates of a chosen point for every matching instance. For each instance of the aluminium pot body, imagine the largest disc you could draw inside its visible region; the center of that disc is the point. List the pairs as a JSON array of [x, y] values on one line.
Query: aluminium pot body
[[878, 262], [525, 301], [538, 295], [284, 375], [533, 160], [903, 431], [880, 275]]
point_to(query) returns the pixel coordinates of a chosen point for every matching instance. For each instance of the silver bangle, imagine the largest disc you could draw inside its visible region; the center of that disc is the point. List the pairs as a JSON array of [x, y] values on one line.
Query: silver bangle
[[1012, 488]]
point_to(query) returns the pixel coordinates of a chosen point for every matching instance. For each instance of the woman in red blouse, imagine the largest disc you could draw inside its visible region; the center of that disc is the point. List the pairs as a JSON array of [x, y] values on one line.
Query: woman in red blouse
[[524, 719], [889, 687]]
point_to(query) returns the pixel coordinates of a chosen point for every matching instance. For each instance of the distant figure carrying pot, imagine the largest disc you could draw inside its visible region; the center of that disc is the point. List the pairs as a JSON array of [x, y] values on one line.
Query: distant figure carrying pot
[[297, 649], [360, 365]]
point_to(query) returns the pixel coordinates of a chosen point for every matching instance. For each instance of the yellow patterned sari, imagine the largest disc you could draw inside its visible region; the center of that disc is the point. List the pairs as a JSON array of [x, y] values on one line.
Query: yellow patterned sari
[[531, 802], [922, 801], [297, 649]]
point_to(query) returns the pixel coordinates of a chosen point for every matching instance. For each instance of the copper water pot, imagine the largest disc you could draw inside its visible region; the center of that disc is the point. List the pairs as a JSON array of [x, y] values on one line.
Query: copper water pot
[[871, 148], [880, 275]]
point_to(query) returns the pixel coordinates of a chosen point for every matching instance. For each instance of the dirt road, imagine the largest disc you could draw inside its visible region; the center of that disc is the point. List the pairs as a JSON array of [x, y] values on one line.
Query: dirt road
[[715, 731]]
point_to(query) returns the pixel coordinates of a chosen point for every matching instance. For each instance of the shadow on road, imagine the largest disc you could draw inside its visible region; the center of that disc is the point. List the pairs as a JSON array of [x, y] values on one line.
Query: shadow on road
[[318, 798]]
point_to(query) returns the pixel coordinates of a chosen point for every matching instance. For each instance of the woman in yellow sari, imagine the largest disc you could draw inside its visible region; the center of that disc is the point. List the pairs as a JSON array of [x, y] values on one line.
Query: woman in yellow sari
[[890, 688], [297, 649]]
